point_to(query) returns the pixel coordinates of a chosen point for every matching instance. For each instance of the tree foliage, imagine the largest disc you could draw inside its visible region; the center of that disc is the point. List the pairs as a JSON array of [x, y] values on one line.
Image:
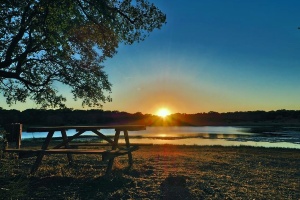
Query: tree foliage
[[47, 41]]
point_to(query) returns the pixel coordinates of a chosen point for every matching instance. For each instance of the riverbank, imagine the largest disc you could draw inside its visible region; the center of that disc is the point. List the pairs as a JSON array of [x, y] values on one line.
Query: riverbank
[[161, 172]]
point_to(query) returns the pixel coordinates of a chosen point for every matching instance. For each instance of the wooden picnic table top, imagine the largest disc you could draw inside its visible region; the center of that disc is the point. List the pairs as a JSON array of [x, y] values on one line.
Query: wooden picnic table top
[[87, 128]]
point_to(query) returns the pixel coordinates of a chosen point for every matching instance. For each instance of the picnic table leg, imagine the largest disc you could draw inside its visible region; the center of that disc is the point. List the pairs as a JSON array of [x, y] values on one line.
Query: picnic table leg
[[41, 154], [130, 161], [114, 147], [65, 139]]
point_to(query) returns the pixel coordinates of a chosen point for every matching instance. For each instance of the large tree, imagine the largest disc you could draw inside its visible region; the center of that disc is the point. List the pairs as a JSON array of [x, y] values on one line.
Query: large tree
[[47, 41]]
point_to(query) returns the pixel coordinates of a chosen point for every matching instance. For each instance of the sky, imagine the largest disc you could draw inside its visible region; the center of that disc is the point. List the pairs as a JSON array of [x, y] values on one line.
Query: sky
[[212, 55]]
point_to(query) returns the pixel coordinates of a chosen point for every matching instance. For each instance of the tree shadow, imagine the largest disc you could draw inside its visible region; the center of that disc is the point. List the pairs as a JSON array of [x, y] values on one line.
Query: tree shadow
[[174, 187], [72, 188]]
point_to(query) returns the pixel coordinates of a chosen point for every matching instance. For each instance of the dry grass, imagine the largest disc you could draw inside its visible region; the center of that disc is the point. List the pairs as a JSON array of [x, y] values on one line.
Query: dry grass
[[160, 172]]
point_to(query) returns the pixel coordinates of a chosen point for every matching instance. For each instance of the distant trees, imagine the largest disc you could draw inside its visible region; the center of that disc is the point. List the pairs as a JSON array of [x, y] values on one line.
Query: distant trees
[[48, 41], [98, 117]]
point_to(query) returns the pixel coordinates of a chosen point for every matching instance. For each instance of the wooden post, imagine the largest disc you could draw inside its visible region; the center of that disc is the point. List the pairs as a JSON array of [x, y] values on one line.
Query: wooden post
[[65, 139], [14, 133], [130, 162], [114, 147], [40, 155]]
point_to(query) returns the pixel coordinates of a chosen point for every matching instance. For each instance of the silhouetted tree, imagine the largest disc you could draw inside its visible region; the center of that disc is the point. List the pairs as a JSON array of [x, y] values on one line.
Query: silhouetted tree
[[44, 41]]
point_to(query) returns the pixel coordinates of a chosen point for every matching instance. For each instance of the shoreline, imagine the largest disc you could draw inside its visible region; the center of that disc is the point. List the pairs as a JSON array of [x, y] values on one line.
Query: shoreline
[[179, 141]]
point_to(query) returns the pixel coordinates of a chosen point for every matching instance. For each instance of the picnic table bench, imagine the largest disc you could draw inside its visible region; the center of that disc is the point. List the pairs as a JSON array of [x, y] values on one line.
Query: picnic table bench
[[66, 147]]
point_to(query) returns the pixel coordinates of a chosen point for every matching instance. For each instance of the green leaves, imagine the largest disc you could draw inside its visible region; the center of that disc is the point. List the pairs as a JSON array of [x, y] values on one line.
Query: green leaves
[[66, 41]]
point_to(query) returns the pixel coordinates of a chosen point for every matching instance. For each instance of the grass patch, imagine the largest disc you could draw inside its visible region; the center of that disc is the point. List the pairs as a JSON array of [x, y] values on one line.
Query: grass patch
[[159, 171]]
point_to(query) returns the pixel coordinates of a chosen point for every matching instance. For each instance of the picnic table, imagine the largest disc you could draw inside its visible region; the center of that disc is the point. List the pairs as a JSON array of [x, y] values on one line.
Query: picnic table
[[66, 147]]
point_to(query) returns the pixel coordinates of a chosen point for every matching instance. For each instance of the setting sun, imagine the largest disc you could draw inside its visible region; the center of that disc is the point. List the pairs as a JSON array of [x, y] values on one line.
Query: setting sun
[[163, 112]]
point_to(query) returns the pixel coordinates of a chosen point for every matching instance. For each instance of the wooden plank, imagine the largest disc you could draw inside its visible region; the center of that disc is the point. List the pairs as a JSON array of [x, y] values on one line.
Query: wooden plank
[[89, 151], [91, 144], [73, 151], [68, 140], [130, 162], [103, 137], [106, 154], [14, 131], [40, 154], [21, 150], [116, 140], [23, 153], [87, 128], [114, 146], [65, 139]]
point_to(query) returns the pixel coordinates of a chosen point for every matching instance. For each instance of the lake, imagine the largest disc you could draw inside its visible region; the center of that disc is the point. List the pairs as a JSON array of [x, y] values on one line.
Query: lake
[[288, 137]]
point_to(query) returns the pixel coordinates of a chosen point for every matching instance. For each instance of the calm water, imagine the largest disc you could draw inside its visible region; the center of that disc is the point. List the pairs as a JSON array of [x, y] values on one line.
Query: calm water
[[204, 135]]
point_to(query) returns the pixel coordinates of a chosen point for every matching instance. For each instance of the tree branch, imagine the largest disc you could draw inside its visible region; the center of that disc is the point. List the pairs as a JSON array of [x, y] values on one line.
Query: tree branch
[[26, 82], [15, 40], [109, 8]]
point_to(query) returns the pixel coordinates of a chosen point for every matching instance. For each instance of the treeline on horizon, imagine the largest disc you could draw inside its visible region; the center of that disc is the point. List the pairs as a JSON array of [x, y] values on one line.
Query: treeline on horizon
[[41, 117]]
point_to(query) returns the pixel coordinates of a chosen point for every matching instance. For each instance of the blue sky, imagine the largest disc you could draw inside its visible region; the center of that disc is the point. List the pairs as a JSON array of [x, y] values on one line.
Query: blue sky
[[212, 55]]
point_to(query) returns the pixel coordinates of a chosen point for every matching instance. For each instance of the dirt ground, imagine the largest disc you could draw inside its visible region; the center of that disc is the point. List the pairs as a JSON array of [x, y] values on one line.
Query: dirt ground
[[160, 172]]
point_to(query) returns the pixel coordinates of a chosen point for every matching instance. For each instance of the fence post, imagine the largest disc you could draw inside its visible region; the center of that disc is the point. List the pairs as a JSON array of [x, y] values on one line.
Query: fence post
[[14, 133]]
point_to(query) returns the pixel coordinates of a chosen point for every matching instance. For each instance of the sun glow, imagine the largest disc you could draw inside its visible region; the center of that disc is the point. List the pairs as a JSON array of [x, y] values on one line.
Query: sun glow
[[163, 112]]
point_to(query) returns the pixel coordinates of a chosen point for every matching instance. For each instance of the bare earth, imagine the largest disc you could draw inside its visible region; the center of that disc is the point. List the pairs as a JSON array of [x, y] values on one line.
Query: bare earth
[[160, 172]]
